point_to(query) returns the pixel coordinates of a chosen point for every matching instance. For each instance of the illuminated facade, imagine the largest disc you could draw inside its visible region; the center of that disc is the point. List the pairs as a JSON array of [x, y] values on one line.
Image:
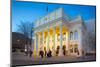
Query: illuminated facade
[[56, 30]]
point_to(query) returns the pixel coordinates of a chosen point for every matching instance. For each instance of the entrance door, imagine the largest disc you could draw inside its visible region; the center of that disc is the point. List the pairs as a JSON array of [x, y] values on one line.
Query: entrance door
[[74, 49], [71, 48]]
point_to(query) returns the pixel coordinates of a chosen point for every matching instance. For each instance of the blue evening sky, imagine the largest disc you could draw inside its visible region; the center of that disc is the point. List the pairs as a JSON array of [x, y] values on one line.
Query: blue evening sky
[[31, 11]]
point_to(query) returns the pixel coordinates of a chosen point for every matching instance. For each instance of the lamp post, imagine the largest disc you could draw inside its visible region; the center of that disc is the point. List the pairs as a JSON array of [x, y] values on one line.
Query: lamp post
[[18, 44]]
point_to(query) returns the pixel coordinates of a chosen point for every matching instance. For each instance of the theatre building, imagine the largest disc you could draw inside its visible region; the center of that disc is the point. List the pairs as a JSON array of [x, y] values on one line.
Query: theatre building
[[56, 31]]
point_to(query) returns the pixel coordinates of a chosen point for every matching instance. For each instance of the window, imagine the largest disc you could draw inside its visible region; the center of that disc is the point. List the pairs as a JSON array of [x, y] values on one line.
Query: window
[[71, 48], [71, 35], [64, 37], [75, 35], [75, 48]]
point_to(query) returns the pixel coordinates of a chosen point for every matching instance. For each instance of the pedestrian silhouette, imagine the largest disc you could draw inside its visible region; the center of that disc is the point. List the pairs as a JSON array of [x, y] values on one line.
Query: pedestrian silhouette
[[45, 52], [41, 53], [30, 53], [49, 54]]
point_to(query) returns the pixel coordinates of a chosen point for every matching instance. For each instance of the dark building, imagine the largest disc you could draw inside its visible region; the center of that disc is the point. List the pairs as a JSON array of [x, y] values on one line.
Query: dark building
[[19, 41]]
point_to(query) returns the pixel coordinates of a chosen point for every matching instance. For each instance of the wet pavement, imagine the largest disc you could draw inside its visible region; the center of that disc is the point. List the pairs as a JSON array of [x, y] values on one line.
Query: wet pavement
[[21, 59]]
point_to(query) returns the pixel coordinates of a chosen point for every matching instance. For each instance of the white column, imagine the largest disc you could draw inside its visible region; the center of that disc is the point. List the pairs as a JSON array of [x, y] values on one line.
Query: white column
[[54, 37], [60, 53], [53, 51], [35, 44], [43, 40], [67, 40], [39, 44], [48, 40]]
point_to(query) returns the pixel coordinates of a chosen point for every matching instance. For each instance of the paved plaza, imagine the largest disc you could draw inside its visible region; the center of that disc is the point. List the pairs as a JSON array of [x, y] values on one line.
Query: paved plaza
[[21, 59]]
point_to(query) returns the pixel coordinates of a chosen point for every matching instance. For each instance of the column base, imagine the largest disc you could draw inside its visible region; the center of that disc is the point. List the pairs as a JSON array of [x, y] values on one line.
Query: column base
[[60, 53], [53, 53], [35, 53]]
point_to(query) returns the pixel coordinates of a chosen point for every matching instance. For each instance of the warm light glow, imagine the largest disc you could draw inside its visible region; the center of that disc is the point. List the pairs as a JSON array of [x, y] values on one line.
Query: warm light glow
[[18, 40], [49, 43]]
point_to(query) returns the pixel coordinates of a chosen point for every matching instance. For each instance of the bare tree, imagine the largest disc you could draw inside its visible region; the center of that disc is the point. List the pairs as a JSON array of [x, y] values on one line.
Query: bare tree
[[26, 28]]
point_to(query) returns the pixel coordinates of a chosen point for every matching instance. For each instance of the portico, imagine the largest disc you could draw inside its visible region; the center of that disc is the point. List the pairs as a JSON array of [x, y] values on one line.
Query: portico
[[50, 38]]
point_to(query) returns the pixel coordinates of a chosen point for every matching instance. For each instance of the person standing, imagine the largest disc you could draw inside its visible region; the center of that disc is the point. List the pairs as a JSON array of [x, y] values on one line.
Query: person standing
[[41, 53], [45, 52], [30, 53]]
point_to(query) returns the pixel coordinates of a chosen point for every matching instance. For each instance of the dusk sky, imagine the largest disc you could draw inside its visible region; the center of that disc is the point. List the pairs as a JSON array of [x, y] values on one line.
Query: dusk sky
[[31, 11]]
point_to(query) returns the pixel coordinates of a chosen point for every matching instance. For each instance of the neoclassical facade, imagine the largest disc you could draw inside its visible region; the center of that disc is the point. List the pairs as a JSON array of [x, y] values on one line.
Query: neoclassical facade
[[56, 31]]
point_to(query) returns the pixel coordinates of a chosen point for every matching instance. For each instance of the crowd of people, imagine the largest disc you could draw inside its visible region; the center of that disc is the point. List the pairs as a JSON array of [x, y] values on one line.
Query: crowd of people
[[45, 53], [49, 52]]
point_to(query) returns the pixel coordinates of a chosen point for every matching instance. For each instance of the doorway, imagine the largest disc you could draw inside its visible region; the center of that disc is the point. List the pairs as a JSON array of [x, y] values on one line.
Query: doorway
[[73, 49]]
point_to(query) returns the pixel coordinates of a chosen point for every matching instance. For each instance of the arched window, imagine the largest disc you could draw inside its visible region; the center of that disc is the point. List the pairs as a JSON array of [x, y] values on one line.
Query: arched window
[[75, 35], [64, 36], [71, 35]]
